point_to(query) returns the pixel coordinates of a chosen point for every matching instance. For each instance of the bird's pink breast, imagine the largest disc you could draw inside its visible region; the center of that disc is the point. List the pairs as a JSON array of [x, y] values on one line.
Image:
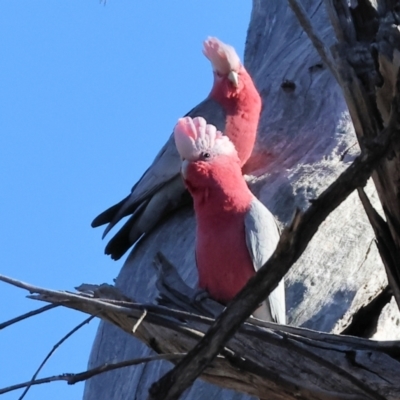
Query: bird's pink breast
[[223, 260], [221, 202]]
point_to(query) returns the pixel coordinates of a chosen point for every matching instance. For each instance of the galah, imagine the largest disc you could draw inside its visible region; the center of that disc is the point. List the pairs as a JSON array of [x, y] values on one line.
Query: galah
[[235, 232], [233, 106]]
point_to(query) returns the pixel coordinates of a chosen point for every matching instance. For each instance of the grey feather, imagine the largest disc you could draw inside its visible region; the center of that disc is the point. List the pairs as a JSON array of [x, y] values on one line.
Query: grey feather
[[262, 236]]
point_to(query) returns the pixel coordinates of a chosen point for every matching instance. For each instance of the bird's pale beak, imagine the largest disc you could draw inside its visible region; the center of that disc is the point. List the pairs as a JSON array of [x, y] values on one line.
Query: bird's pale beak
[[184, 167], [234, 78]]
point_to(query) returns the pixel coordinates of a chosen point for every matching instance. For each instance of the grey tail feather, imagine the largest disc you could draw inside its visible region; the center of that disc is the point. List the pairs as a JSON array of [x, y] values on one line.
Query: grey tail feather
[[108, 229], [134, 208], [121, 242], [130, 233], [108, 215], [126, 236]]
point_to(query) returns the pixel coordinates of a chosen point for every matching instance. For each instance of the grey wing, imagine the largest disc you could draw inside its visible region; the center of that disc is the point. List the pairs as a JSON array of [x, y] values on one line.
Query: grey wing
[[262, 236]]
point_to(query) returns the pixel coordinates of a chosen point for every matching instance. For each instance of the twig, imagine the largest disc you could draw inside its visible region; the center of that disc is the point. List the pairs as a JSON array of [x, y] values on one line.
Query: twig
[[139, 321], [81, 376], [58, 344], [27, 315], [343, 155], [291, 246], [18, 283], [306, 24]]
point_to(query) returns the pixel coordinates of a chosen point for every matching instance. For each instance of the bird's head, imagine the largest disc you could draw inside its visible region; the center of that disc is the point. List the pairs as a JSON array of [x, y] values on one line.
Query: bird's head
[[201, 143], [225, 61]]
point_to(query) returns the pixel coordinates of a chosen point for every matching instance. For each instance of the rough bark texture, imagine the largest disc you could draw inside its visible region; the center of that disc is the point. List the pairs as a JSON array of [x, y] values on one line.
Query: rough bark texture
[[305, 140]]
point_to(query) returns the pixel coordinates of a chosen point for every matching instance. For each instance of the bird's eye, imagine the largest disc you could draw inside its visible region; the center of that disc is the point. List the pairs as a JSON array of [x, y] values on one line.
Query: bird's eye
[[206, 155]]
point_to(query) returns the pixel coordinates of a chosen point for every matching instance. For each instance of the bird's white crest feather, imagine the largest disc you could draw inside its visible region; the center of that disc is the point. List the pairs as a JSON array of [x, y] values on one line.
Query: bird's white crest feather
[[223, 57], [195, 136]]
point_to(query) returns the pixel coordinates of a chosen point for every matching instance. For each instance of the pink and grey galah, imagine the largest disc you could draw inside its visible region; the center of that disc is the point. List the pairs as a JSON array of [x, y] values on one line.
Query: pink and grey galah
[[235, 232], [233, 106]]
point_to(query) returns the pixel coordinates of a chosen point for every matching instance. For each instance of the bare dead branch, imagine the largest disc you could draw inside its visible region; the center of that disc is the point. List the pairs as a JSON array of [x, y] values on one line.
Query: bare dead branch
[[258, 361], [135, 310], [343, 30], [55, 347], [18, 283], [82, 376], [27, 315], [318, 43]]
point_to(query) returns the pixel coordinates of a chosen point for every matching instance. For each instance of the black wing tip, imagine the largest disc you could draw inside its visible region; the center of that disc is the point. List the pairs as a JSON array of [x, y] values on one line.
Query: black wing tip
[[108, 215], [125, 238], [114, 257], [118, 245], [102, 219], [97, 222], [114, 253]]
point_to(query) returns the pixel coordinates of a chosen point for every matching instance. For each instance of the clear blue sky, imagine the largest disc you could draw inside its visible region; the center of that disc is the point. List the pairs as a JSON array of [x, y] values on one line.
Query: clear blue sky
[[88, 95]]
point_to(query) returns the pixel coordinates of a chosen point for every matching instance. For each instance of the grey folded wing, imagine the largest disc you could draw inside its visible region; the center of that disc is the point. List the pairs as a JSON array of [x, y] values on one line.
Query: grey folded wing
[[262, 236]]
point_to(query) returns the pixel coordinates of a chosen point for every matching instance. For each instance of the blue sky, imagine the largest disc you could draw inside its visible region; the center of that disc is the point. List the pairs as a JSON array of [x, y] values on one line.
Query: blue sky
[[88, 94]]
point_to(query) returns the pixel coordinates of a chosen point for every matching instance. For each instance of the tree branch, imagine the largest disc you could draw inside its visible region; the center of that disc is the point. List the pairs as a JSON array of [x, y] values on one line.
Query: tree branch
[[27, 315], [58, 344], [85, 375]]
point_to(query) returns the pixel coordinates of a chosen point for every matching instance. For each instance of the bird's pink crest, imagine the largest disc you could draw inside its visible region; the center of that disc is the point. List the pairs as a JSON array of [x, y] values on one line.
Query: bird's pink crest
[[222, 56], [194, 136]]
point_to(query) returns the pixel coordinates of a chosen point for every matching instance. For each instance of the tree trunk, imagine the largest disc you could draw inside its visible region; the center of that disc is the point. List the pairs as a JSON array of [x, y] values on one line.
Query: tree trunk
[[306, 139]]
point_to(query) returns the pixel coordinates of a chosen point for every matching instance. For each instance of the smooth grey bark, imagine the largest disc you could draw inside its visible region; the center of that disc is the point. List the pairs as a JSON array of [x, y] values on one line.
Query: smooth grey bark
[[305, 140]]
